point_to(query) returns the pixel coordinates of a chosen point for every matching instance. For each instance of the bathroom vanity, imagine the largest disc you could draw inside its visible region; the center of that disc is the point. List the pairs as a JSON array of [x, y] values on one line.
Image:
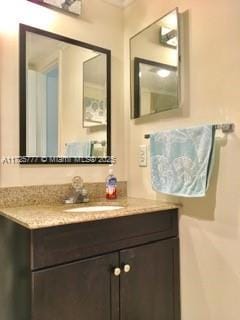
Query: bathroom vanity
[[122, 264]]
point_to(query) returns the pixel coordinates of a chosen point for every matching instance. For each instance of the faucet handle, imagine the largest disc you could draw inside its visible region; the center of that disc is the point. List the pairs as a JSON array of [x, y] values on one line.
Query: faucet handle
[[85, 196], [77, 183], [84, 192]]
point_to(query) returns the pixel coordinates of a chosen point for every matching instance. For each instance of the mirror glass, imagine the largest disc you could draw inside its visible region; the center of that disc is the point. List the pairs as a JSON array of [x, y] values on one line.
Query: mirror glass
[[66, 109], [155, 69]]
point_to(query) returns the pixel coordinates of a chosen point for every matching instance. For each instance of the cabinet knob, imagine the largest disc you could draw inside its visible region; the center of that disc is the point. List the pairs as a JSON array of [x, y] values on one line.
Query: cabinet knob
[[127, 268], [117, 272]]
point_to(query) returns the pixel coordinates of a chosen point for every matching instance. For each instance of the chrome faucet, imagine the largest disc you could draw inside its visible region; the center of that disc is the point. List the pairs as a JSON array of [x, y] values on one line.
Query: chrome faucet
[[80, 194]]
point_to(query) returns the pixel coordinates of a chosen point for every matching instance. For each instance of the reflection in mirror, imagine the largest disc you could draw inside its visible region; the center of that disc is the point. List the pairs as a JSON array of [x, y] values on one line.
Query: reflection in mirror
[[155, 95], [67, 98], [94, 92], [155, 81]]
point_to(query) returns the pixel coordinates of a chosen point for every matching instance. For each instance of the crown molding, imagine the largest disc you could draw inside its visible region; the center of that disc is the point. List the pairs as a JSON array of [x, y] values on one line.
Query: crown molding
[[120, 3], [127, 3]]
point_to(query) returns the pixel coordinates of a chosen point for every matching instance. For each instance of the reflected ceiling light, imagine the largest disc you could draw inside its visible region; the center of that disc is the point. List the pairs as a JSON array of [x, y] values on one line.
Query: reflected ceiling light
[[163, 73], [140, 74]]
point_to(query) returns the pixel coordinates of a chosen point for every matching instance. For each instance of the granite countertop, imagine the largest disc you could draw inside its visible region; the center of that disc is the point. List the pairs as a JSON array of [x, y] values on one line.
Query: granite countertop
[[36, 217]]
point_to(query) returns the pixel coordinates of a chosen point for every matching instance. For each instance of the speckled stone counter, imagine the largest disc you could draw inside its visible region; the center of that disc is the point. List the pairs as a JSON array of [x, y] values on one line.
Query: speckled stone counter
[[51, 194], [36, 217]]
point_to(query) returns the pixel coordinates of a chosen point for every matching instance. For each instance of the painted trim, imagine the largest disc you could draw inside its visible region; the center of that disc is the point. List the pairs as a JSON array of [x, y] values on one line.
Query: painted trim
[[127, 3], [120, 3]]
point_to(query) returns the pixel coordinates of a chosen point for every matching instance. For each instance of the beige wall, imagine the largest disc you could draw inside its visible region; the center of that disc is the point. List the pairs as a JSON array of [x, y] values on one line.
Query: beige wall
[[101, 24], [209, 227]]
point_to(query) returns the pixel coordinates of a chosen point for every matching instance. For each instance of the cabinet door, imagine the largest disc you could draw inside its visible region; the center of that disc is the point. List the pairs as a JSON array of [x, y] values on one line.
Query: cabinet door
[[150, 290], [84, 290]]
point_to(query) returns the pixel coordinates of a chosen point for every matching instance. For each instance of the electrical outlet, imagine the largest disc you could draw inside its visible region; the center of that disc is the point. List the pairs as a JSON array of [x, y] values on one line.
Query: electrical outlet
[[142, 156]]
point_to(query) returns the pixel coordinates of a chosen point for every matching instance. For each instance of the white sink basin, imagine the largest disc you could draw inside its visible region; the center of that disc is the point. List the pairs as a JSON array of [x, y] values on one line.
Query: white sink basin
[[94, 209]]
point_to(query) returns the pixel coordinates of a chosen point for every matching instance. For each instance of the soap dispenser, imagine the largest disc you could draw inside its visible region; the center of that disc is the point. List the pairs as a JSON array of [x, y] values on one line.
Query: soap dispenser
[[111, 184]]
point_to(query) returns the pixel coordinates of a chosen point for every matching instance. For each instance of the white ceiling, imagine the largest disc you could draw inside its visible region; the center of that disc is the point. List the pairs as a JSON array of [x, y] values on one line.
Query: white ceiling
[[120, 3]]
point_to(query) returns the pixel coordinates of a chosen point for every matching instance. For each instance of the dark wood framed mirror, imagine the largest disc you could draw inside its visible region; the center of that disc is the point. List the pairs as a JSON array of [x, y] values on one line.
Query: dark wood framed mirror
[[65, 100]]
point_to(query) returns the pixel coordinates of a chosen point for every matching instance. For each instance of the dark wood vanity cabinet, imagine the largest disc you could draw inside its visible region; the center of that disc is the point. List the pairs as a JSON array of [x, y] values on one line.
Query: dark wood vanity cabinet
[[151, 289], [115, 269], [84, 290]]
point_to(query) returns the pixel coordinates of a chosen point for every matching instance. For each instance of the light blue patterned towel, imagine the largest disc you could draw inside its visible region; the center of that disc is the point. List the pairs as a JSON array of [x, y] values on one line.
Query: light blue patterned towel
[[181, 160], [78, 149]]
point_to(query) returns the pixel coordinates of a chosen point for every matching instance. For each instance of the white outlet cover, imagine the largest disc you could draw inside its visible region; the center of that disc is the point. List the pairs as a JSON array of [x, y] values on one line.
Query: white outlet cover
[[142, 155]]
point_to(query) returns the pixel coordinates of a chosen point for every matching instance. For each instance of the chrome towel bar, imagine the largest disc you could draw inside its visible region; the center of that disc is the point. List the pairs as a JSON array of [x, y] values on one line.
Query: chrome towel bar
[[225, 127]]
